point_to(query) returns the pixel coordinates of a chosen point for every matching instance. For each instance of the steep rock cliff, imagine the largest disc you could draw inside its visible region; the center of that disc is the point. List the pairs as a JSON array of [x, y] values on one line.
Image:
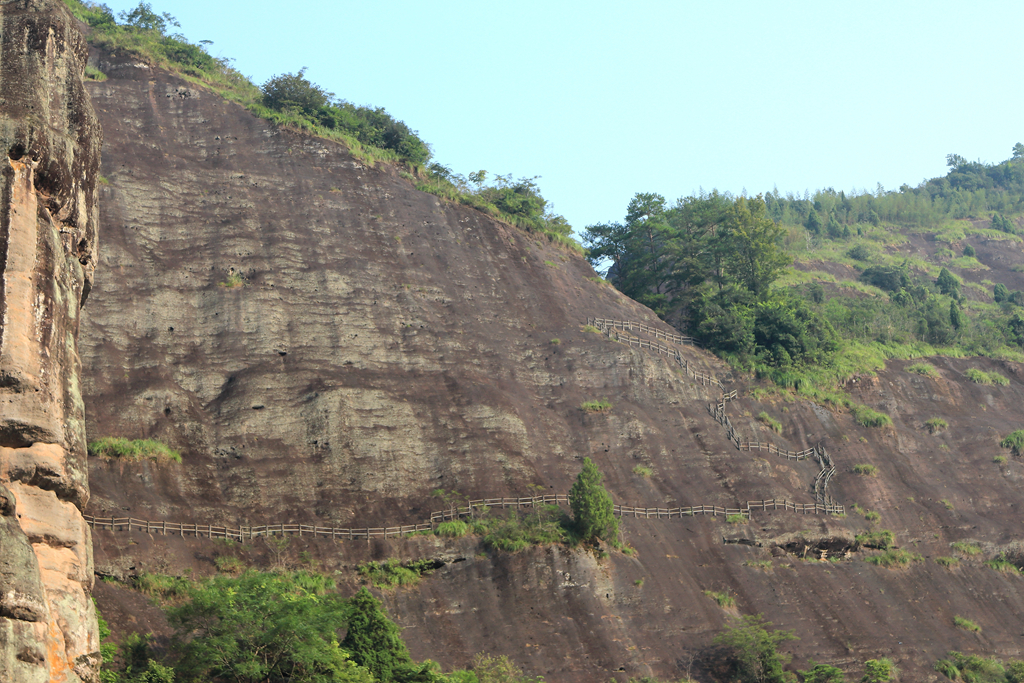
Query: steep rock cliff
[[376, 343], [48, 222]]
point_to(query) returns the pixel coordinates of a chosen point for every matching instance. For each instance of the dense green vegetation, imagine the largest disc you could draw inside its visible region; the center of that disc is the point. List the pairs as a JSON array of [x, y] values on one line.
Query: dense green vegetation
[[717, 266], [292, 100], [976, 669], [288, 99], [517, 201], [263, 627], [137, 449]]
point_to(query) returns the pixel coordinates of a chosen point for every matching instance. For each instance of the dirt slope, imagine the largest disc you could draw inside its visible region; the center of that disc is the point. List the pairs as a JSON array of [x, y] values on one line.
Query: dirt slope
[[385, 344]]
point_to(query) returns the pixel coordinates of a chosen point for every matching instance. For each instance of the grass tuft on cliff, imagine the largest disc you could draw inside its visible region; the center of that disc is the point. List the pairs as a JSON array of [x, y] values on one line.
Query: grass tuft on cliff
[[139, 449]]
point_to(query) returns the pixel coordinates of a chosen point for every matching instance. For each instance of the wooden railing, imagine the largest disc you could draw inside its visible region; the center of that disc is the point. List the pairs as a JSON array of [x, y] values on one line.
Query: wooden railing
[[472, 508], [629, 326], [612, 327]]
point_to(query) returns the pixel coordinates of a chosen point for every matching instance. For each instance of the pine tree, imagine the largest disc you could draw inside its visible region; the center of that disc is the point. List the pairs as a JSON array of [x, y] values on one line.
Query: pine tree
[[592, 507], [955, 319]]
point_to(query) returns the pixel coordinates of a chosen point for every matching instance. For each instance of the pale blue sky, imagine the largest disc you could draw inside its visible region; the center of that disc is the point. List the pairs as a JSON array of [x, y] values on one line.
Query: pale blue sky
[[606, 99]]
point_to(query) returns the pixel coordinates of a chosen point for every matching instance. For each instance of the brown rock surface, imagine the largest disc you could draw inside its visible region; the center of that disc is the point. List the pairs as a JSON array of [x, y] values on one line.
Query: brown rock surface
[[48, 222], [385, 344]]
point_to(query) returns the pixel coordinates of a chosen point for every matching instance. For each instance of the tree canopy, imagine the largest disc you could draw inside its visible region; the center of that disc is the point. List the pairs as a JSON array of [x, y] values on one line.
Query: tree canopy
[[264, 627], [592, 507]]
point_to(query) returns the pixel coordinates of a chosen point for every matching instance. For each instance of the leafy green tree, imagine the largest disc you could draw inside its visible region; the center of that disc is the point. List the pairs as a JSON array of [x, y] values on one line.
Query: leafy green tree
[[1018, 152], [948, 283], [374, 641], [969, 251], [1016, 325], [787, 329], [834, 229], [889, 278], [755, 654], [813, 222], [262, 627], [756, 255], [490, 669], [592, 508], [823, 673], [143, 18], [294, 91], [955, 317], [1000, 293]]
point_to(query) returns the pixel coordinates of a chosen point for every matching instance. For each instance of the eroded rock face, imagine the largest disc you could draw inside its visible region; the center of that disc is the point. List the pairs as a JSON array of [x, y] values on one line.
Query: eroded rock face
[[48, 220]]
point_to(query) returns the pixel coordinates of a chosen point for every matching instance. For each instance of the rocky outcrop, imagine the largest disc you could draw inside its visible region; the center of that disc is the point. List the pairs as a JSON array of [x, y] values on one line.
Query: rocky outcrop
[[377, 343], [48, 220]]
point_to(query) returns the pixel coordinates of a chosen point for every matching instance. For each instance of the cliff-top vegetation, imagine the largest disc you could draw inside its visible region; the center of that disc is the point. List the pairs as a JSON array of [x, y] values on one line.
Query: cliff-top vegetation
[[293, 101], [754, 278]]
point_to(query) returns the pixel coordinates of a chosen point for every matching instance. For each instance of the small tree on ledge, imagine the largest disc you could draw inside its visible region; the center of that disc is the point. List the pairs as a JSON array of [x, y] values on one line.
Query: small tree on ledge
[[592, 508]]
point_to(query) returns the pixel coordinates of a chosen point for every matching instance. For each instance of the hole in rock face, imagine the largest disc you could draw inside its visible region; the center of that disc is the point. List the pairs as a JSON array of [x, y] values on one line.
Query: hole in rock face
[[824, 547], [16, 152]]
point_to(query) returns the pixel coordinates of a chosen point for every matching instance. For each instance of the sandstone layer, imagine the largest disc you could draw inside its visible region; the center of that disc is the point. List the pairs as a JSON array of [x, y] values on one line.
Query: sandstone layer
[[325, 344], [48, 223]]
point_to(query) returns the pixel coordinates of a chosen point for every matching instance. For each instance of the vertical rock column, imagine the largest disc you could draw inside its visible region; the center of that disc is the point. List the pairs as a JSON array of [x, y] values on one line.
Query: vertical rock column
[[49, 162]]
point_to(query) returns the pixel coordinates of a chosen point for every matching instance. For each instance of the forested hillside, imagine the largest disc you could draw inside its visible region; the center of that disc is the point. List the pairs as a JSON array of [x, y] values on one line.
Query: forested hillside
[[812, 290]]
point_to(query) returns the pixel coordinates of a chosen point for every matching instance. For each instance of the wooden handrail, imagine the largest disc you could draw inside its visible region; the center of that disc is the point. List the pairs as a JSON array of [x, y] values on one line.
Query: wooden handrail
[[250, 532]]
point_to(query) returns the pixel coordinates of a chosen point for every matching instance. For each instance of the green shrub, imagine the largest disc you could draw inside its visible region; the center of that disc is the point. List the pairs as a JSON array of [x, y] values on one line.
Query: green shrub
[[978, 377], [164, 588], [870, 418], [1000, 459], [894, 558], [965, 624], [923, 369], [966, 548], [596, 406], [1001, 564], [936, 425], [1015, 442], [112, 447], [723, 599], [879, 671], [872, 516], [642, 471], [947, 504], [455, 528], [767, 420], [947, 669], [545, 524], [998, 379], [881, 540], [392, 573], [736, 519], [947, 562], [823, 673], [229, 564], [233, 281], [591, 328], [556, 341], [974, 669], [865, 470]]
